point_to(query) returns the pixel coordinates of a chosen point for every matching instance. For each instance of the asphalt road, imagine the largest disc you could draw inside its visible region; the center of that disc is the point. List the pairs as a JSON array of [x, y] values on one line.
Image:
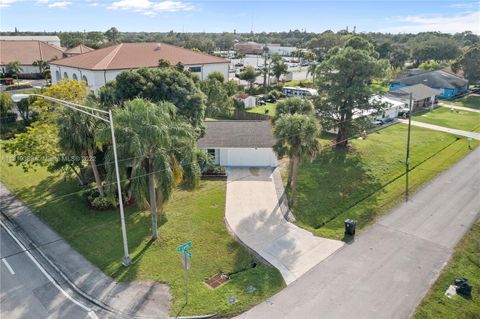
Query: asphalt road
[[388, 269], [26, 292]]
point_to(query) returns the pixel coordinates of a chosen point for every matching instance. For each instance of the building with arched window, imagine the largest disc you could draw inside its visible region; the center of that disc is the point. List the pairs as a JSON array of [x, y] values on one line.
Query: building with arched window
[[65, 75], [75, 77], [84, 78], [103, 65]]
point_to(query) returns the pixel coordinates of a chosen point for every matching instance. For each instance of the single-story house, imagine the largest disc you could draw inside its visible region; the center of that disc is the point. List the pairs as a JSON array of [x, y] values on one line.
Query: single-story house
[[392, 107], [422, 96], [240, 143], [79, 49], [27, 52], [100, 66], [278, 49], [447, 84]]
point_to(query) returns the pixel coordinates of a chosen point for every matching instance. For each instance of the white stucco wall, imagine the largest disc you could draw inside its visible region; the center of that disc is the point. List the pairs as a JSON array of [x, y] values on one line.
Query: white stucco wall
[[26, 69], [97, 79]]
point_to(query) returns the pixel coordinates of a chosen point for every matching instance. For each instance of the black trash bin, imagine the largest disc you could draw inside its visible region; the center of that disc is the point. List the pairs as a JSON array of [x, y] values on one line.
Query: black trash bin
[[350, 225], [463, 287]]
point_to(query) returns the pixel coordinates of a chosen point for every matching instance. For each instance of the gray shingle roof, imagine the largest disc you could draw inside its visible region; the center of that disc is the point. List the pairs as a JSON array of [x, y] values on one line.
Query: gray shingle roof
[[439, 79], [237, 134], [419, 92]]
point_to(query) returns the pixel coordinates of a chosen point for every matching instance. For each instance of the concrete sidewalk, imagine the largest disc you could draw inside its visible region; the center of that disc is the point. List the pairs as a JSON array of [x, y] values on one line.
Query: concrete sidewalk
[[473, 135], [390, 267], [255, 214], [461, 108], [139, 298]]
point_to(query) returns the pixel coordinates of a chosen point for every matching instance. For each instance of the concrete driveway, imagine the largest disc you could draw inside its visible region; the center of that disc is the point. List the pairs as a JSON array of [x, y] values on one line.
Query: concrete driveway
[[388, 269], [254, 215]]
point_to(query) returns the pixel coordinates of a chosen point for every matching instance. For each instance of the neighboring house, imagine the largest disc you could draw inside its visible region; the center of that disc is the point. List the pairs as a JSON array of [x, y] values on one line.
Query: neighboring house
[[27, 52], [248, 47], [422, 96], [240, 143], [79, 49], [50, 39], [289, 91], [392, 107], [447, 84], [247, 100], [100, 66]]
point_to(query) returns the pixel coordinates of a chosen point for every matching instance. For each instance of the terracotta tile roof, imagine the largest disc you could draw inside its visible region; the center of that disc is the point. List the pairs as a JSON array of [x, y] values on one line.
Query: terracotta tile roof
[[79, 49], [237, 134], [28, 51], [136, 55]]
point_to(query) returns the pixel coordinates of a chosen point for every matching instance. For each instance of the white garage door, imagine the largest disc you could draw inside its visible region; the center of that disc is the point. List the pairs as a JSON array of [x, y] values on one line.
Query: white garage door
[[246, 157]]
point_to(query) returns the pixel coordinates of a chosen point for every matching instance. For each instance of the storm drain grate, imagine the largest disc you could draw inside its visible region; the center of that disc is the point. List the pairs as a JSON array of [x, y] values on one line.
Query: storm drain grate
[[217, 280]]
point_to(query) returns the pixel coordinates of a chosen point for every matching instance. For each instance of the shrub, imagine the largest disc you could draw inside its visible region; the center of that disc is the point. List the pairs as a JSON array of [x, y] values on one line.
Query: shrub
[[102, 203], [277, 94], [8, 117]]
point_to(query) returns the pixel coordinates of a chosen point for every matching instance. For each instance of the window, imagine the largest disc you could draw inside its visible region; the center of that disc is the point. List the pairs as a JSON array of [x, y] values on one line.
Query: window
[[65, 75], [84, 78], [57, 76], [75, 77], [195, 69], [211, 153]]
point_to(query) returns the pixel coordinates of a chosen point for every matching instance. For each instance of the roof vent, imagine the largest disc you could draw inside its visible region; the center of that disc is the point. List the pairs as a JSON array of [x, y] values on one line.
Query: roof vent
[[158, 46]]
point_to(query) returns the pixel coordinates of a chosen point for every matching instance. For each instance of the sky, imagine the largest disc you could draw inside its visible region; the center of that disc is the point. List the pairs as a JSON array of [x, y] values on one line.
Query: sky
[[243, 16]]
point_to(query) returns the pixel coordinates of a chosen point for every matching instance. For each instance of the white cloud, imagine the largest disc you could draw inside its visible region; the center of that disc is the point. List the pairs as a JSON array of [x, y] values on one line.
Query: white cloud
[[150, 8], [59, 4], [468, 21], [6, 3]]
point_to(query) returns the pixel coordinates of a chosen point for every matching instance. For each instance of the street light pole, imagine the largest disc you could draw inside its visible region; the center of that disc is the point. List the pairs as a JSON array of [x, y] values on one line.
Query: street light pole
[[407, 161], [90, 111], [126, 257]]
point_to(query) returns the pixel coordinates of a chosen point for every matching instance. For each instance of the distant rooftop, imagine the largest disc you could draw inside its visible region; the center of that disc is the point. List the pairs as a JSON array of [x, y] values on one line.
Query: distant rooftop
[[239, 134], [28, 51], [44, 38], [439, 78], [419, 92], [79, 49], [136, 55]]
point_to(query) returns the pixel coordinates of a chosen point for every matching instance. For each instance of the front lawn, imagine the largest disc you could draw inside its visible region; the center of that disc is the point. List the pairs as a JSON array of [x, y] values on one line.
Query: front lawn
[[361, 183], [443, 116], [190, 216], [465, 262], [471, 101], [271, 107]]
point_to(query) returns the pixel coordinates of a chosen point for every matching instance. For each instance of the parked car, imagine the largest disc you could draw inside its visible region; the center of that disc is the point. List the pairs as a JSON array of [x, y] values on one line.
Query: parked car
[[271, 99], [239, 64], [261, 102]]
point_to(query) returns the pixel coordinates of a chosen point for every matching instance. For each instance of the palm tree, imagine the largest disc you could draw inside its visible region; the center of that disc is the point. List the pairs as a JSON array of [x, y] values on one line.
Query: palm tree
[[161, 151], [312, 68], [296, 136], [43, 67], [76, 133], [14, 68]]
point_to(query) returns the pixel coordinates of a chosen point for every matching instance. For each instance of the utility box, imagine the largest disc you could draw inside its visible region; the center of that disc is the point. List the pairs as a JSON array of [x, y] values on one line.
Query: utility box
[[350, 225]]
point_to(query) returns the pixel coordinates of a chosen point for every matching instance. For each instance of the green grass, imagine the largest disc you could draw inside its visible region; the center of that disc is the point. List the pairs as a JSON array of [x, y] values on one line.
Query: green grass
[[271, 107], [443, 116], [471, 101], [465, 262], [196, 216], [337, 184], [304, 83]]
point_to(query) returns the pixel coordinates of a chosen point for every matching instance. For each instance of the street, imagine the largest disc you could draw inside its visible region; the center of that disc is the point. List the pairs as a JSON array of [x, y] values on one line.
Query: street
[[388, 269], [27, 292]]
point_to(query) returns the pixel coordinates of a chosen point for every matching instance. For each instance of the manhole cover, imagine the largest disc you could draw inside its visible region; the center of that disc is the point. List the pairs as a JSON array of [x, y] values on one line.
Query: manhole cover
[[232, 300], [217, 280]]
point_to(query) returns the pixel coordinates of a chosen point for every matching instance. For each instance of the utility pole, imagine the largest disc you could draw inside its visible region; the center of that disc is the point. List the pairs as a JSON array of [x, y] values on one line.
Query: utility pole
[[265, 70], [407, 160]]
